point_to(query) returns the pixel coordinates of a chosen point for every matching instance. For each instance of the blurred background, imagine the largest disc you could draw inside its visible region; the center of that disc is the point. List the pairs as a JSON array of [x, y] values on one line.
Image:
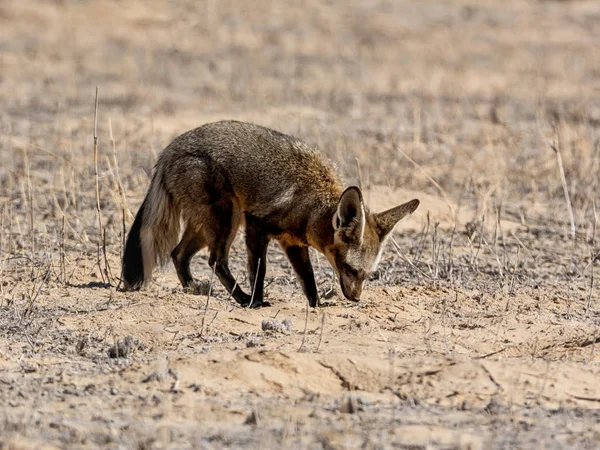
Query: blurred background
[[471, 91]]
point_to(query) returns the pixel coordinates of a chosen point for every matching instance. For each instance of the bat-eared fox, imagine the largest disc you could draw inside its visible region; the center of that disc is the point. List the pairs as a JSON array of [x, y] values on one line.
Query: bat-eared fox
[[215, 178]]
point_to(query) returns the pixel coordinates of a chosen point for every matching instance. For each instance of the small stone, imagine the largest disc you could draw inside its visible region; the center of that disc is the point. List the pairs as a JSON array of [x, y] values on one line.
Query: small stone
[[282, 326], [253, 341], [155, 376], [122, 349]]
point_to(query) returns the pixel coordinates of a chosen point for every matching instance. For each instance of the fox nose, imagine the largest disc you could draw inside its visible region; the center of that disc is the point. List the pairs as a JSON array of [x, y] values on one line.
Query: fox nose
[[352, 292], [351, 295], [356, 292]]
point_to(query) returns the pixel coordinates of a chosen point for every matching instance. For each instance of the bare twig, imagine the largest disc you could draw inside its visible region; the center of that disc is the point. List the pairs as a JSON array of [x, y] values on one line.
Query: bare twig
[[30, 202], [360, 182], [63, 269], [107, 269], [97, 185], [475, 260], [2, 248], [435, 183], [301, 348], [254, 285], [34, 296], [212, 277], [563, 180], [321, 334], [591, 264], [511, 289], [410, 263], [487, 355]]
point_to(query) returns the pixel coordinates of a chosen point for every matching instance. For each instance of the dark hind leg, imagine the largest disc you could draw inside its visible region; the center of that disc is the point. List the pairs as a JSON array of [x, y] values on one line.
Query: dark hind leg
[[191, 243], [257, 242], [226, 219]]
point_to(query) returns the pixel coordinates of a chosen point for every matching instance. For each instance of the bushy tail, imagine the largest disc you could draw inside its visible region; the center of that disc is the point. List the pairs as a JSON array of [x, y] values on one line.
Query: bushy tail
[[153, 235]]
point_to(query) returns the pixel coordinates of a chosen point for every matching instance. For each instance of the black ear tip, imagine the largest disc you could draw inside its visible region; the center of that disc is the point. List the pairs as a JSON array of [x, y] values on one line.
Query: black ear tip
[[414, 204], [352, 190]]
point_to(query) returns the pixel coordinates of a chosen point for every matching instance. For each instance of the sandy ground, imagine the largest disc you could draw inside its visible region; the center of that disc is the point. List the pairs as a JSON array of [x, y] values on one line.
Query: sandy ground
[[478, 330]]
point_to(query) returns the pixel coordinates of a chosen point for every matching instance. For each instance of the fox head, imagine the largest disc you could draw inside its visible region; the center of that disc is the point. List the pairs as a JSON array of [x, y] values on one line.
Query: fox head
[[359, 237]]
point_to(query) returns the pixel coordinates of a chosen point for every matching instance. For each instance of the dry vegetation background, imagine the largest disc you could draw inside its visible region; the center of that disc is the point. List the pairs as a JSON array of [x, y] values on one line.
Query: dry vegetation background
[[479, 329]]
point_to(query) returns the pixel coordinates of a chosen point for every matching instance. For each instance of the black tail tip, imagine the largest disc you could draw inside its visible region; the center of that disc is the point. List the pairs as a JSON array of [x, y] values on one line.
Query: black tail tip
[[133, 259]]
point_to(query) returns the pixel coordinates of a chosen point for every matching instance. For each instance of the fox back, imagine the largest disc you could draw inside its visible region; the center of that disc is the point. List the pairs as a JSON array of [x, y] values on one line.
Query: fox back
[[266, 171], [221, 175]]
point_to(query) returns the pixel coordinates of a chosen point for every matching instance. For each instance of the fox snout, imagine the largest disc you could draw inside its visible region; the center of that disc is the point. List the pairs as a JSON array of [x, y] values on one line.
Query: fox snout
[[352, 288], [352, 294]]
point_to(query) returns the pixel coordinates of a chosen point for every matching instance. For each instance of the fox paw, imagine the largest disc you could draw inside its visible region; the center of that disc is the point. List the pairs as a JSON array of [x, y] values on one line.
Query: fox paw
[[198, 288], [255, 305]]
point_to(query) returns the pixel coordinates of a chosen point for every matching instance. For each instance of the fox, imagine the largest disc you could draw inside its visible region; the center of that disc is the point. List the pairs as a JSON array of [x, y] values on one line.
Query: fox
[[214, 179]]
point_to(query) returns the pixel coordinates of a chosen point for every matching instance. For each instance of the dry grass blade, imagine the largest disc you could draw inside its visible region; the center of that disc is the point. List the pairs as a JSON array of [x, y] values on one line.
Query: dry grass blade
[[254, 284], [210, 287], [97, 190], [32, 299], [592, 262], [321, 333], [410, 263], [563, 180], [430, 178], [301, 348]]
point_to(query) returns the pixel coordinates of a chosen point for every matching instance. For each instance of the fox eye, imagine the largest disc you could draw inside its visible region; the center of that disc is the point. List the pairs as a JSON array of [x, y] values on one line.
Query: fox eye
[[351, 270]]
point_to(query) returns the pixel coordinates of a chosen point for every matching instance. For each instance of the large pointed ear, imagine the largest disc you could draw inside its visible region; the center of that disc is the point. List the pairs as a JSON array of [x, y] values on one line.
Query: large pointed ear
[[350, 214], [387, 219]]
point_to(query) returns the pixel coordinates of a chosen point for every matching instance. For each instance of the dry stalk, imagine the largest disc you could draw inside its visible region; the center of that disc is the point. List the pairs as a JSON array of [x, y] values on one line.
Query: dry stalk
[[34, 295], [123, 232], [360, 182], [254, 285], [64, 187], [29, 201], [502, 240], [417, 125], [422, 240], [591, 264], [408, 261], [210, 286], [63, 270], [235, 285], [301, 348], [435, 183], [2, 252], [500, 266], [107, 268], [563, 180], [97, 187], [9, 243], [321, 334], [450, 263], [435, 249], [511, 289]]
